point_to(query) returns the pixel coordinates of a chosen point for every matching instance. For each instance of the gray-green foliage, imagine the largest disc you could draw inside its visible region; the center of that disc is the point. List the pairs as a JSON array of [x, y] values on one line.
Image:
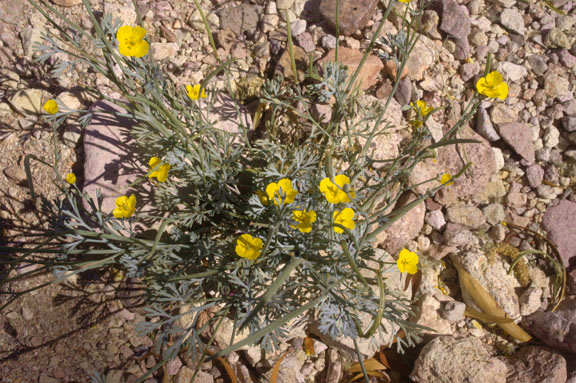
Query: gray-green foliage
[[189, 263]]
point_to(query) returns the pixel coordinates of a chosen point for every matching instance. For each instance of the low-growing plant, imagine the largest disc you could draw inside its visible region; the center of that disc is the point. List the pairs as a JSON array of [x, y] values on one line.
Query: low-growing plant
[[270, 226]]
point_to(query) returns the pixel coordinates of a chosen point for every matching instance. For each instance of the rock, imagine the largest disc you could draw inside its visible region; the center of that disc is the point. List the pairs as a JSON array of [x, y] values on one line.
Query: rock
[[298, 27], [354, 15], [323, 113], [472, 183], [536, 364], [329, 42], [516, 200], [27, 314], [284, 65], [535, 175], [511, 19], [291, 366], [429, 316], [466, 215], [161, 51], [458, 235], [404, 91], [484, 126], [435, 219], [557, 38], [430, 20], [125, 11], [241, 19], [457, 360], [455, 19], [557, 329], [16, 174], [494, 213], [453, 311], [351, 58], [284, 4], [493, 275], [469, 70], [559, 221], [406, 228], [114, 376], [538, 64], [569, 123], [111, 161], [519, 138], [422, 57], [12, 11], [530, 301], [31, 37], [47, 379], [334, 370], [551, 137], [306, 42], [556, 86], [173, 366], [28, 102], [511, 71], [185, 376], [67, 3], [503, 114], [224, 334]]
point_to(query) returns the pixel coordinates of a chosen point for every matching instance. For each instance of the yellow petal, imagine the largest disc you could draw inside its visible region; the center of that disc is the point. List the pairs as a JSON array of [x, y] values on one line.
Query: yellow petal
[[70, 178], [138, 33], [141, 48], [51, 107], [124, 32]]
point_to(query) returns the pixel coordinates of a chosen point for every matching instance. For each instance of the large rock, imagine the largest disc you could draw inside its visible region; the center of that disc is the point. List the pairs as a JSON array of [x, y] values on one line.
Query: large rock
[[536, 364], [457, 360], [28, 102], [351, 58], [450, 160], [354, 15], [519, 137], [494, 277], [557, 329], [513, 20], [455, 19], [560, 223], [241, 19], [422, 57], [394, 238]]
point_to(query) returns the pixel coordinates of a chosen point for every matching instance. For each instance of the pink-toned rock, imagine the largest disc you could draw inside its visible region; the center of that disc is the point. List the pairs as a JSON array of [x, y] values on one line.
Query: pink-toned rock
[[451, 160], [353, 14], [557, 329], [536, 364], [111, 161], [519, 138], [406, 228], [560, 223], [351, 58]]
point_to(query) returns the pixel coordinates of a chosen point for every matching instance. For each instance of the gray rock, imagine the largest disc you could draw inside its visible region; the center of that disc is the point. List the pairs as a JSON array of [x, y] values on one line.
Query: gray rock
[[494, 213], [511, 71], [557, 329], [569, 123], [455, 19], [457, 360], [484, 126], [530, 301], [453, 311], [566, 58], [30, 38], [458, 235], [329, 42], [538, 64], [298, 27], [435, 219], [466, 215], [469, 70], [557, 38], [241, 19], [404, 91], [284, 4], [536, 364], [519, 138], [559, 221], [162, 51], [535, 175], [512, 19], [354, 15]]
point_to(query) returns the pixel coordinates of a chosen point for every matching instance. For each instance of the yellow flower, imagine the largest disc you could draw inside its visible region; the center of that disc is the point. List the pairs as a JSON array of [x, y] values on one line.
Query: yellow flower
[[262, 197], [407, 262], [125, 207], [446, 179], [405, 1], [282, 189], [70, 178], [305, 220], [344, 218], [423, 107], [492, 86], [335, 193], [194, 92], [248, 246], [51, 107], [131, 41], [162, 168]]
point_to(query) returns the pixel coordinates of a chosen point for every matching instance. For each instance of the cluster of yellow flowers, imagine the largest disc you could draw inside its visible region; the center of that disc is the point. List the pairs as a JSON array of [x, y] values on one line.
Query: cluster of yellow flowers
[[283, 193]]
